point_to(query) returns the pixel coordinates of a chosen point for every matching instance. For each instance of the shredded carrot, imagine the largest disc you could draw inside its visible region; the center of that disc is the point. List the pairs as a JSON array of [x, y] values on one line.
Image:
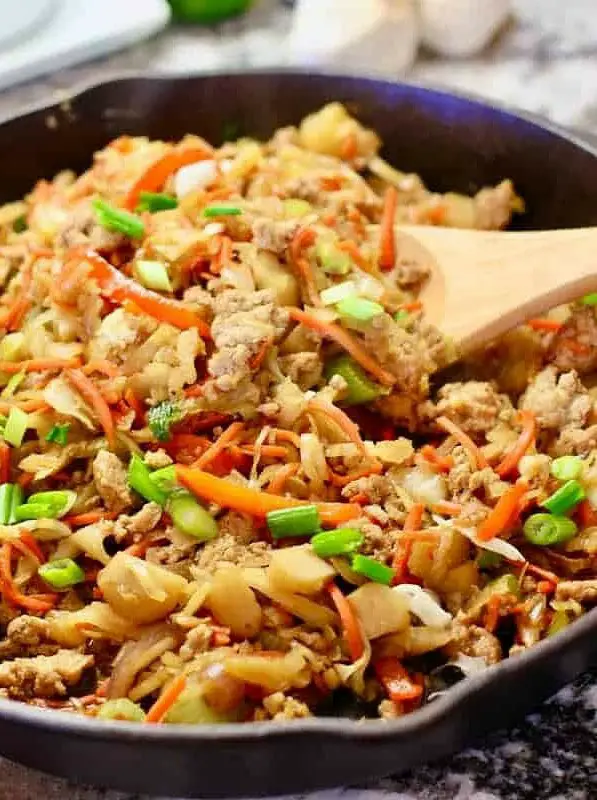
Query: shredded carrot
[[277, 483], [31, 544], [416, 305], [441, 463], [196, 390], [4, 463], [133, 402], [35, 404], [374, 467], [38, 365], [387, 236], [254, 502], [545, 325], [576, 347], [25, 479], [331, 183], [166, 700], [186, 447], [281, 435], [154, 177], [504, 512], [546, 587], [266, 450], [88, 518], [587, 516], [350, 623], [477, 458], [342, 420], [223, 257], [412, 523], [103, 366], [400, 687], [257, 360], [91, 394], [447, 509], [38, 604], [329, 219], [525, 440], [539, 572], [16, 312], [345, 340], [302, 239], [230, 436], [352, 249], [492, 616]]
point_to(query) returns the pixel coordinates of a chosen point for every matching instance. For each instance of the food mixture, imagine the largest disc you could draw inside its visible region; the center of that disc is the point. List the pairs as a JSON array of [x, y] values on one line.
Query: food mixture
[[236, 481]]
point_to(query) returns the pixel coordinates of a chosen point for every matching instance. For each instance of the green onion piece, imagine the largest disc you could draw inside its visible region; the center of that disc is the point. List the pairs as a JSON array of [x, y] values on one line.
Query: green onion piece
[[338, 292], [161, 417], [191, 518], [402, 315], [17, 500], [156, 201], [359, 387], [165, 478], [333, 260], [15, 427], [372, 569], [61, 574], [590, 299], [341, 542], [505, 584], [139, 478], [62, 500], [222, 211], [58, 434], [547, 529], [3, 420], [358, 309], [294, 207], [121, 709], [13, 384], [488, 560], [116, 219], [35, 511], [564, 498], [566, 468], [153, 275], [6, 492], [287, 522], [559, 621]]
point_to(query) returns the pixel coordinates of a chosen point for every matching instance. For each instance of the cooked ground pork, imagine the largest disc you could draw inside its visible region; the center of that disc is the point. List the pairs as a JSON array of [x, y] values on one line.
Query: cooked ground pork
[[44, 676], [557, 401], [583, 591], [111, 481], [474, 406]]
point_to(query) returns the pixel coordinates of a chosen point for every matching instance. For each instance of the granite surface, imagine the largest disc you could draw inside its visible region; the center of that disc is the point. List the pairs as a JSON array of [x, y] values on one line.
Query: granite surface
[[545, 62]]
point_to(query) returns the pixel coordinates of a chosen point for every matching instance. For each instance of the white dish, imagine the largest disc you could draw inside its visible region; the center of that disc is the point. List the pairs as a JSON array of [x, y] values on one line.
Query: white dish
[[75, 31], [19, 19]]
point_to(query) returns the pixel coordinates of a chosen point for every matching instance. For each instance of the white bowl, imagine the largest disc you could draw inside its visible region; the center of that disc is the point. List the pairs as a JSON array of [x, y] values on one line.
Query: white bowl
[[22, 18]]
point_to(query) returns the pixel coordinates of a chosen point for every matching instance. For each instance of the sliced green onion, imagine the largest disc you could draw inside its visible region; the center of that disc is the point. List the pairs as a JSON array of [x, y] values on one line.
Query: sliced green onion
[[358, 309], [153, 275], [161, 417], [62, 573], [222, 211], [559, 621], [505, 584], [139, 478], [17, 500], [121, 709], [58, 434], [341, 542], [488, 560], [13, 384], [564, 498], [566, 468], [340, 291], [116, 219], [333, 260], [548, 529], [287, 522], [359, 387], [62, 500], [590, 299], [165, 478], [402, 315], [16, 425], [294, 207], [372, 569], [6, 492], [191, 518], [156, 201]]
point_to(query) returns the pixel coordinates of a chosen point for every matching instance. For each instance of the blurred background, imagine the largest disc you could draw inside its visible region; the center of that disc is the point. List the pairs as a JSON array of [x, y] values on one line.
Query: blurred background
[[539, 55]]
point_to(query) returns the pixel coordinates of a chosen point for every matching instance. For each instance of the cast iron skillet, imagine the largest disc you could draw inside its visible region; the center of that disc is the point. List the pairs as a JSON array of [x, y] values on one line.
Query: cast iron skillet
[[454, 143]]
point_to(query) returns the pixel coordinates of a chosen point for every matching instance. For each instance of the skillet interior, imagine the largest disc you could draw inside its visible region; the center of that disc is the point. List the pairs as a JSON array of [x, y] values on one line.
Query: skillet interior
[[455, 144]]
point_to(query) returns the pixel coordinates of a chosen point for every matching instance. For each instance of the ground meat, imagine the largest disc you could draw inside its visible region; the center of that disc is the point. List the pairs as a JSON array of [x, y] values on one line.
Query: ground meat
[[274, 235], [557, 402], [472, 640], [82, 228], [55, 459], [580, 329], [411, 274], [143, 521], [111, 481], [387, 709], [157, 459], [582, 591], [493, 206], [170, 367], [118, 334], [576, 441], [27, 631], [379, 543], [304, 369], [43, 676], [240, 526], [475, 406], [197, 641], [376, 488], [229, 550], [278, 706]]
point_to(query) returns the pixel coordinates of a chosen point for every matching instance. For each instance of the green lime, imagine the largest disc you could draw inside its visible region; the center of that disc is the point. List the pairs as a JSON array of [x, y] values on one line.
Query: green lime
[[207, 10]]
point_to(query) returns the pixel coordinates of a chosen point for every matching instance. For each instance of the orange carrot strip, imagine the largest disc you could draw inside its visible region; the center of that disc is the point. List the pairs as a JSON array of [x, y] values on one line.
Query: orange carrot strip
[[545, 325], [416, 305], [502, 514], [374, 468], [229, 436], [281, 435], [447, 508], [133, 401], [196, 390], [18, 309], [10, 591], [412, 523], [266, 450], [277, 483], [4, 463], [25, 479], [103, 366], [345, 340], [257, 360], [38, 365], [442, 463], [254, 502], [120, 289], [91, 394], [88, 518], [396, 680], [525, 440], [341, 419], [587, 516], [352, 249], [387, 237], [350, 624], [480, 462], [32, 546], [154, 177], [303, 238], [492, 616], [166, 700]]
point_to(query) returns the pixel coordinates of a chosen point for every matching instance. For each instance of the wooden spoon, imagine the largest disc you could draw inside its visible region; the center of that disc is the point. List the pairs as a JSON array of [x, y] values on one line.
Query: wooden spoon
[[482, 284]]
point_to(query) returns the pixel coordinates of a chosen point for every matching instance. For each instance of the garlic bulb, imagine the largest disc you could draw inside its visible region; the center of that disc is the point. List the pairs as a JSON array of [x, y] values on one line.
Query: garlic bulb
[[461, 27]]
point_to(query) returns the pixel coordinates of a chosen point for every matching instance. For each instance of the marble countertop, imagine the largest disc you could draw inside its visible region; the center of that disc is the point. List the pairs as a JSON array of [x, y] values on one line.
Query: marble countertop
[[545, 62]]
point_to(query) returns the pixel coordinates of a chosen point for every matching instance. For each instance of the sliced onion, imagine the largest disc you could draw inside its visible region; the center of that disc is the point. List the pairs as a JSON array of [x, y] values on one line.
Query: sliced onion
[[44, 530], [338, 292], [423, 605], [194, 177], [135, 656], [496, 545]]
